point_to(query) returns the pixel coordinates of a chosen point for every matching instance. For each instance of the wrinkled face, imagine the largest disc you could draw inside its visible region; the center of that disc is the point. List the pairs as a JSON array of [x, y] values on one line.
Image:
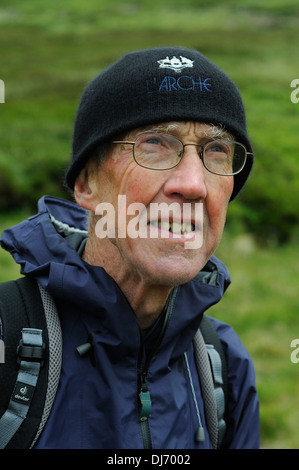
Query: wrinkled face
[[163, 248]]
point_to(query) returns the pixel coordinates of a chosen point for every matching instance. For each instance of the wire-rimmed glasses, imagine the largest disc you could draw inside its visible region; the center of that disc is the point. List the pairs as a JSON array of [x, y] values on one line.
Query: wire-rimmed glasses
[[157, 151]]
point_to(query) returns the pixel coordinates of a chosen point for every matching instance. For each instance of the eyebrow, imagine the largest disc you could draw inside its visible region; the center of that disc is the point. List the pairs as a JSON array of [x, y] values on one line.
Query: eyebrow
[[217, 131]]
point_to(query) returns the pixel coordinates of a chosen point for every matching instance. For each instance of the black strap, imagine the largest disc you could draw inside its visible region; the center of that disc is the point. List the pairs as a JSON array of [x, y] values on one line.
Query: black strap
[[21, 307], [211, 337]]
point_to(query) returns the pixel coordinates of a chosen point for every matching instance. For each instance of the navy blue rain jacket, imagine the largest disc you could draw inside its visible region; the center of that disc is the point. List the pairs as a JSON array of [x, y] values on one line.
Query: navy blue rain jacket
[[97, 404]]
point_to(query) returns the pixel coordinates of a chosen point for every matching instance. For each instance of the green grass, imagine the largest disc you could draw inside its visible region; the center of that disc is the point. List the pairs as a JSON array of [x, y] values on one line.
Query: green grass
[[150, 14], [8, 268], [49, 52], [262, 305]]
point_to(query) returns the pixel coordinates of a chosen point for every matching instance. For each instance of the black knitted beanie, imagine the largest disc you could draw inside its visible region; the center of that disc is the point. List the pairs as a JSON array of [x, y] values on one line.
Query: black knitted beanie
[[153, 86]]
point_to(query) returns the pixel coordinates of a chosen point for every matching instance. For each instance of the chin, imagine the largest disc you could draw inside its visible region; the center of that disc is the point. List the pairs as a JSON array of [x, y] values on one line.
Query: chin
[[170, 273]]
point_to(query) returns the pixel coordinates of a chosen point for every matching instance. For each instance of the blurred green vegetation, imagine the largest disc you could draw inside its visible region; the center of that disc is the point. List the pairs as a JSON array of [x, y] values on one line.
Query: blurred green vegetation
[[49, 52]]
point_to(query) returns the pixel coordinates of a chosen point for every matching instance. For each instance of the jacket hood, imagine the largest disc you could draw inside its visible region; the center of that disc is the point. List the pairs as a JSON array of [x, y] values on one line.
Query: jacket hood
[[47, 246]]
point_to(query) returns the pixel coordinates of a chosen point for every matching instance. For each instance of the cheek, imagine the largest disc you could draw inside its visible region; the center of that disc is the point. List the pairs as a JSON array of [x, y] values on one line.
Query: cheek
[[217, 200], [140, 186]]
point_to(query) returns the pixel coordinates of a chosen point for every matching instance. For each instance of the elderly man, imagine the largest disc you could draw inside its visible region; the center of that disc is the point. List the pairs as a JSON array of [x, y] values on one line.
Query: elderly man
[[160, 148]]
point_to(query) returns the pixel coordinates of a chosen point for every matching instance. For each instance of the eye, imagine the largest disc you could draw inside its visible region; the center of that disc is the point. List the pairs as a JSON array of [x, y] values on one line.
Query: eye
[[162, 144], [217, 147], [153, 140]]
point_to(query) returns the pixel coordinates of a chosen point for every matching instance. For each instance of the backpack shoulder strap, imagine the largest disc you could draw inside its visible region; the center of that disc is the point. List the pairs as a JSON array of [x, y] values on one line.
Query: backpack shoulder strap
[[24, 375], [55, 356], [211, 366], [211, 337]]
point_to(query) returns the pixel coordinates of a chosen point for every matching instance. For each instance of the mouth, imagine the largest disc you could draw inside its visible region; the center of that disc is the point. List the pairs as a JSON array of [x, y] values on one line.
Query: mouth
[[175, 228], [185, 234]]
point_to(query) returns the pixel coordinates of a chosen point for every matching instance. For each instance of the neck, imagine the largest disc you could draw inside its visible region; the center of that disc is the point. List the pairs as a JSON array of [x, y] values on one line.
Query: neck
[[146, 299]]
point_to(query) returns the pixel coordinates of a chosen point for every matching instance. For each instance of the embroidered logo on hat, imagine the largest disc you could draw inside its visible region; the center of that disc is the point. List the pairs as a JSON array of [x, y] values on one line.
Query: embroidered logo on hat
[[175, 64]]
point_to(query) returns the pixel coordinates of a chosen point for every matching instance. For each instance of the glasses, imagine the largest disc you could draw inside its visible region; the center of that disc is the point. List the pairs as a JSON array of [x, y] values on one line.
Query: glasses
[[157, 151]]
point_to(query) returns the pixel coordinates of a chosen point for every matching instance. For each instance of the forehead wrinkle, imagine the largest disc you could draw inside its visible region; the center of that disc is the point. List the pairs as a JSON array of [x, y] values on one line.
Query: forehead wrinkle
[[208, 130], [167, 127]]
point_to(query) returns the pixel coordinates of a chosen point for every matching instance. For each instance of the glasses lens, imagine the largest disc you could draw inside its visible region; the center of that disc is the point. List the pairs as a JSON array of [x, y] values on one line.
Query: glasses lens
[[240, 156], [157, 151], [224, 158]]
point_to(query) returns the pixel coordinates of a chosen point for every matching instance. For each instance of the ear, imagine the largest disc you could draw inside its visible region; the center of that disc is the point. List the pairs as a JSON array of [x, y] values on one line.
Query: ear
[[85, 189]]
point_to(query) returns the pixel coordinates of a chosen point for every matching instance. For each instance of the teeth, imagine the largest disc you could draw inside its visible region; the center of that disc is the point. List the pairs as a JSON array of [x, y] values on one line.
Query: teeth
[[155, 223], [164, 225], [189, 227], [175, 227]]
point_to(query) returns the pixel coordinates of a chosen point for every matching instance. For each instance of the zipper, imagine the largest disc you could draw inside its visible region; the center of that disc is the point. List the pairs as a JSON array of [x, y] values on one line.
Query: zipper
[[145, 404]]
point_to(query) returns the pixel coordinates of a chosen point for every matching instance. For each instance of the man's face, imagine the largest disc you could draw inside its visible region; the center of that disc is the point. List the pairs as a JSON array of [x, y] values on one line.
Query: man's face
[[158, 257]]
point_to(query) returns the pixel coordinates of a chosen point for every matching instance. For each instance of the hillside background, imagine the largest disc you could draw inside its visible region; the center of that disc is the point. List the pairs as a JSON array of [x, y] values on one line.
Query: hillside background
[[49, 52]]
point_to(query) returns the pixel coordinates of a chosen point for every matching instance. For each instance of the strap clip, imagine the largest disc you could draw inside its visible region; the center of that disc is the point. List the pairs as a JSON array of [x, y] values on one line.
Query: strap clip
[[31, 353]]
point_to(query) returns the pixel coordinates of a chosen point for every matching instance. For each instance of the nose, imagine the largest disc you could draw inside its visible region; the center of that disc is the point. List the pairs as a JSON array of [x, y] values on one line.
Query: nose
[[188, 178]]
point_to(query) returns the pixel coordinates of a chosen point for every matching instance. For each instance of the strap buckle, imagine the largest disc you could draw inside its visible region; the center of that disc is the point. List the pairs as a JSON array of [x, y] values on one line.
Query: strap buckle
[[31, 353]]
